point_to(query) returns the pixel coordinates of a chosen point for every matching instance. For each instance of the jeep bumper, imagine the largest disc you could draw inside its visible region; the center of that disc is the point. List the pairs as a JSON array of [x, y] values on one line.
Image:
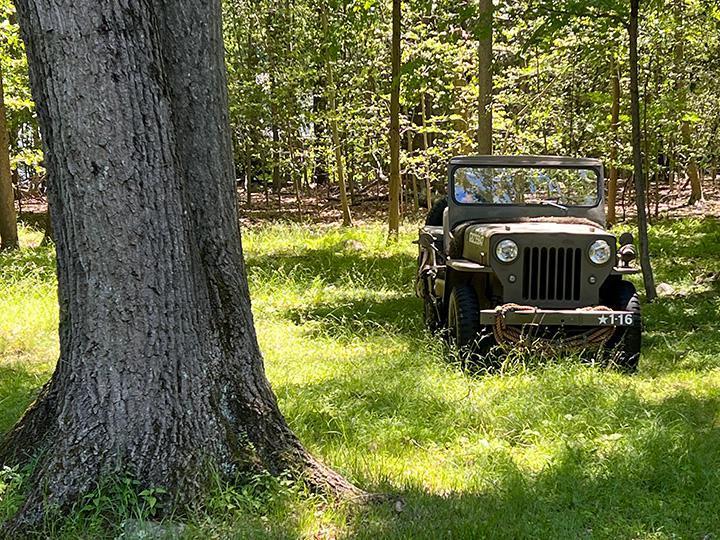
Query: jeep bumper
[[561, 317]]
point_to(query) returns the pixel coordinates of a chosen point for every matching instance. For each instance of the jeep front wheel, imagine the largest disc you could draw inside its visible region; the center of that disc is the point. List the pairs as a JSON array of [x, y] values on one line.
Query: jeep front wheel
[[623, 348], [431, 311], [463, 321]]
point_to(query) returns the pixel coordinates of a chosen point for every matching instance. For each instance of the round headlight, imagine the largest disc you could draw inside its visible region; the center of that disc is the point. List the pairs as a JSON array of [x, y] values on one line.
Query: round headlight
[[506, 251], [600, 252]]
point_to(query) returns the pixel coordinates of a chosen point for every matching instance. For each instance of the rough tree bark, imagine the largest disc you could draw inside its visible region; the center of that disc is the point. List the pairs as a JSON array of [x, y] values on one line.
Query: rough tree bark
[[160, 375], [8, 219], [394, 212], [614, 126], [640, 197], [485, 78]]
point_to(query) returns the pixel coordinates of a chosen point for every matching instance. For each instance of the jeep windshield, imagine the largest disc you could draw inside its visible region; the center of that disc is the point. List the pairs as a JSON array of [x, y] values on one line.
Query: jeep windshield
[[525, 186]]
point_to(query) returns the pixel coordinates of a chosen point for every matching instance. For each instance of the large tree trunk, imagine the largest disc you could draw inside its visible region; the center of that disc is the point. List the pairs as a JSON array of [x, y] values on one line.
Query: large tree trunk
[[8, 219], [614, 125], [640, 196], [485, 78], [394, 212], [160, 375]]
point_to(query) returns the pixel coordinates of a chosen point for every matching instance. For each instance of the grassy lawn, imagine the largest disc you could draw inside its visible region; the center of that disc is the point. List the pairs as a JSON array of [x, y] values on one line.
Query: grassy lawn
[[544, 449]]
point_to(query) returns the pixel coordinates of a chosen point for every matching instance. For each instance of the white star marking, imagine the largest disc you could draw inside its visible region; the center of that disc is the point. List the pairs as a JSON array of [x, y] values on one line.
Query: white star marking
[[602, 319]]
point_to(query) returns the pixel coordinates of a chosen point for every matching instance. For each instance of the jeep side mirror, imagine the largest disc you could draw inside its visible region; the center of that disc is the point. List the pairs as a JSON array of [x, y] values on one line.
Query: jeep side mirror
[[626, 239]]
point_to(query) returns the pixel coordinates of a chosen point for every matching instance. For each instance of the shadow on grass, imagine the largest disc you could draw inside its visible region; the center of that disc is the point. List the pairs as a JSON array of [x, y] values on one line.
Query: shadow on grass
[[336, 267], [647, 483], [386, 402], [362, 317], [692, 238], [37, 263], [682, 332], [18, 388]]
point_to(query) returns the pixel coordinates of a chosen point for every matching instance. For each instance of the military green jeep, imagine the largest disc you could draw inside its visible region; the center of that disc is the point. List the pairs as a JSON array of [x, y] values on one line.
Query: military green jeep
[[517, 256]]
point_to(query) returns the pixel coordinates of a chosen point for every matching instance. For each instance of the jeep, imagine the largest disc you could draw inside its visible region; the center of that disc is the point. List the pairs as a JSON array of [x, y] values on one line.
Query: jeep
[[518, 256]]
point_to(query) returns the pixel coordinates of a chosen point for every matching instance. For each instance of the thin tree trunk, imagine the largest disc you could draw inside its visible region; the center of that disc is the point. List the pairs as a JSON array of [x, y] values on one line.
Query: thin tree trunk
[[320, 172], [485, 78], [646, 143], [614, 126], [426, 145], [394, 213], [248, 174], [571, 112], [276, 180], [252, 68], [539, 91], [294, 177], [461, 124], [351, 183], [332, 103], [660, 157], [410, 150], [696, 193], [48, 234], [647, 272], [275, 131], [8, 219], [696, 190], [160, 375]]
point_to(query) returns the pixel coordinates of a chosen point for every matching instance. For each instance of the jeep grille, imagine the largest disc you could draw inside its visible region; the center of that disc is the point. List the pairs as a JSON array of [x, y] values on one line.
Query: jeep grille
[[551, 273]]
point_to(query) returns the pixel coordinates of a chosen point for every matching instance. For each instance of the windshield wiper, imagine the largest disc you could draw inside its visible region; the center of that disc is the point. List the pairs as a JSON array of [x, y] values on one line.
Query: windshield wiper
[[556, 205]]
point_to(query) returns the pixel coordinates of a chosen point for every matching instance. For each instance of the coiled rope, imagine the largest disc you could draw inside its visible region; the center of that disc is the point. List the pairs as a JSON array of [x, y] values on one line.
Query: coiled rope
[[512, 336]]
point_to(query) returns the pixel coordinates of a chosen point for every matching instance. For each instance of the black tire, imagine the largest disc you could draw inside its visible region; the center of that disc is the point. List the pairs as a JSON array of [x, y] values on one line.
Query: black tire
[[471, 341], [463, 319], [433, 321], [435, 215], [622, 350]]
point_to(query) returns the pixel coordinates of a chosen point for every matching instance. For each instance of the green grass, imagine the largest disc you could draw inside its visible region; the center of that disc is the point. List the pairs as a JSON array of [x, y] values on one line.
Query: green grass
[[551, 449]]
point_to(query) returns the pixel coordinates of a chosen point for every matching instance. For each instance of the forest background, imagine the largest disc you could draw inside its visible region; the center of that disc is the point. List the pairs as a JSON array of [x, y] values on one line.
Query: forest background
[[310, 92]]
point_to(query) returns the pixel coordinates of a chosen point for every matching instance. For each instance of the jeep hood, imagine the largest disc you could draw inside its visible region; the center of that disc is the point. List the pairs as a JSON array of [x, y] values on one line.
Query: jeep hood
[[479, 238]]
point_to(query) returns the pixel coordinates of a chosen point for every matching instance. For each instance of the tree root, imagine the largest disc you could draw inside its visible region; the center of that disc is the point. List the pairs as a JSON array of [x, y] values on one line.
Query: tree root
[[23, 442]]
